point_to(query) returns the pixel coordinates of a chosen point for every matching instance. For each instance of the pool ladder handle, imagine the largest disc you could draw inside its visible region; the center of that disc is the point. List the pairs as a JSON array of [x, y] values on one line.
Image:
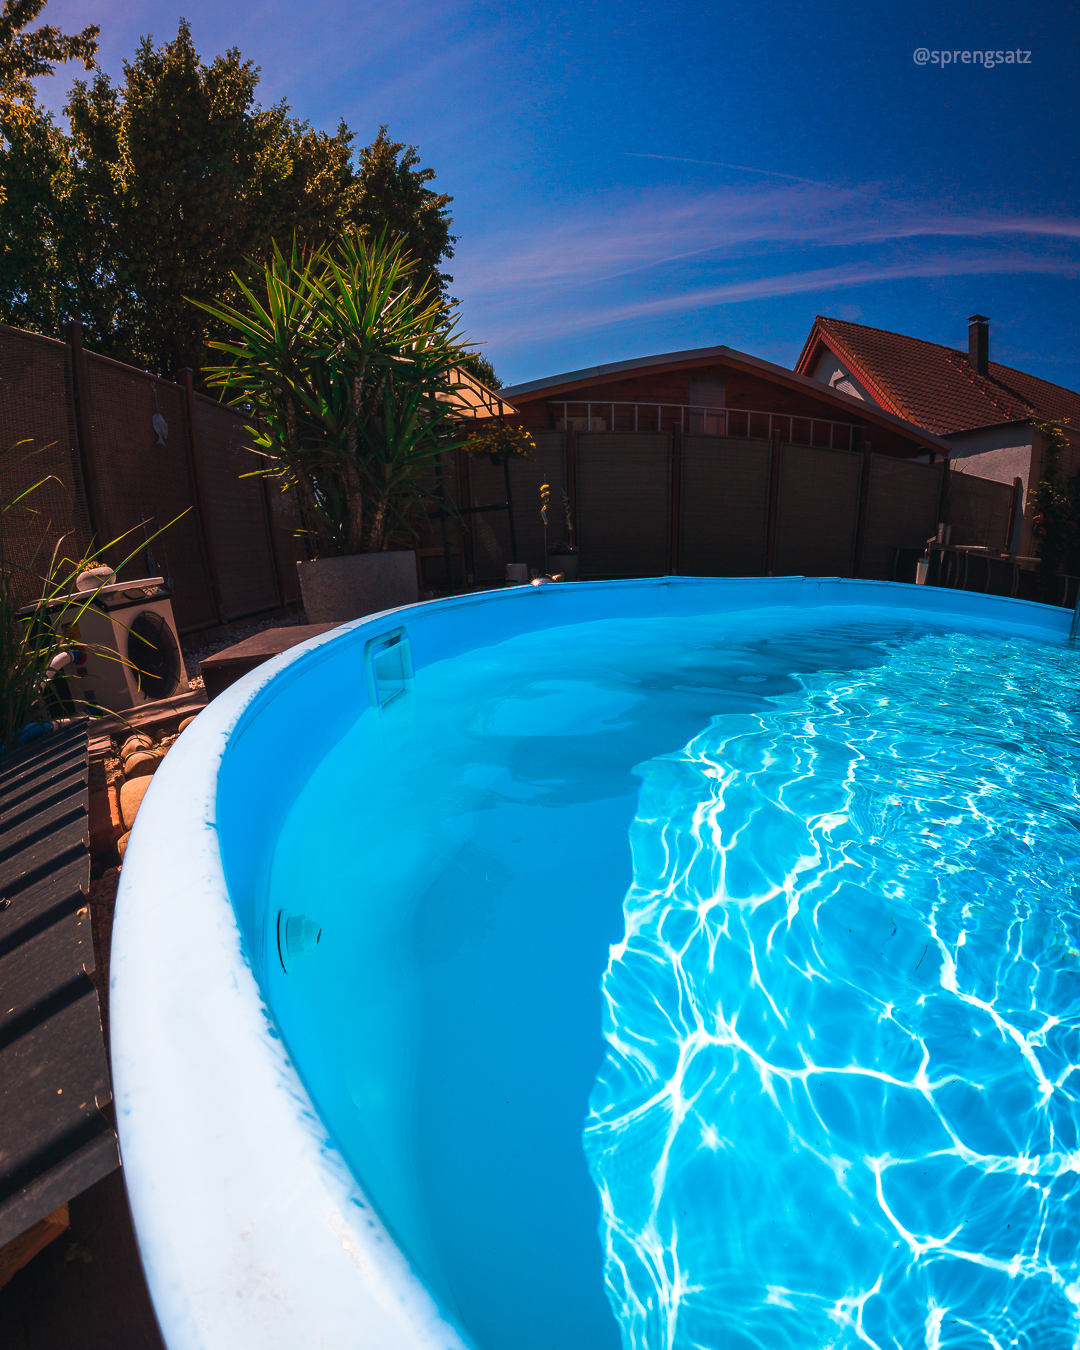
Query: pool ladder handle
[[1075, 620]]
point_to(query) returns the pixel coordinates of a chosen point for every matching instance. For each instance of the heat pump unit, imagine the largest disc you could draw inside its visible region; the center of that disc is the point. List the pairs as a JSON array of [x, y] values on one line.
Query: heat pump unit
[[124, 647]]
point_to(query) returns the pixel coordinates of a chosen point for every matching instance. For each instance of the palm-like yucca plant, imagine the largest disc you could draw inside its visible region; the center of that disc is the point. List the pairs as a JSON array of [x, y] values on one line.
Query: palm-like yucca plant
[[347, 364]]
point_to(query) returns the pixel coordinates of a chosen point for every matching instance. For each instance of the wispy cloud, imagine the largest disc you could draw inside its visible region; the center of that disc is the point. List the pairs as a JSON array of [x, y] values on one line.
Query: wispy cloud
[[722, 164], [843, 276], [627, 233], [624, 258]]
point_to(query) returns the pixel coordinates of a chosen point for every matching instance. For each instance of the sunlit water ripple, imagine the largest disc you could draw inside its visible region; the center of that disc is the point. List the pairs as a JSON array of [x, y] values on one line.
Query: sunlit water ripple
[[839, 1106]]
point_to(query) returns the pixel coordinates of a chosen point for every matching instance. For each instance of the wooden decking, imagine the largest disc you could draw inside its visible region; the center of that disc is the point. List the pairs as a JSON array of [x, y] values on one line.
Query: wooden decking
[[226, 667], [86, 1290], [54, 1077]]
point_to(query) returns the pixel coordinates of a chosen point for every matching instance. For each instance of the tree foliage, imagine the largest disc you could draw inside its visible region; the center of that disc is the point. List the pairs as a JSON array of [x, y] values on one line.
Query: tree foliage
[[477, 364], [393, 196], [1056, 503], [172, 181], [25, 56]]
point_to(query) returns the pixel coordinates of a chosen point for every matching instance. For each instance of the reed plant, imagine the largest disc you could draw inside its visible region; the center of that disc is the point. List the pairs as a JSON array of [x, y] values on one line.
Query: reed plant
[[32, 650], [26, 651]]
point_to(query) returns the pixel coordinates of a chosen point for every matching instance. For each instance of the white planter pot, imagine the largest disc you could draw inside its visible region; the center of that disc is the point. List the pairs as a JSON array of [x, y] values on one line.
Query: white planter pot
[[336, 590]]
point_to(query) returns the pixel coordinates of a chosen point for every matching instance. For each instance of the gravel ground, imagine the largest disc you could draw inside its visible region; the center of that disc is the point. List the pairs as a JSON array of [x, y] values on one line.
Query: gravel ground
[[237, 633]]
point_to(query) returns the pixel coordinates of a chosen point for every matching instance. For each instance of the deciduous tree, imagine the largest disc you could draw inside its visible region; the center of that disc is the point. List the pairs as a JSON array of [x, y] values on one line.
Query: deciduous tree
[[171, 181], [25, 56]]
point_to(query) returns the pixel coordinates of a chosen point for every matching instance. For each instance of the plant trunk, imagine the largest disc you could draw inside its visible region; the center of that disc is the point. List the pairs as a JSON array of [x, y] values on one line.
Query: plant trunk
[[309, 507], [376, 537], [292, 436], [376, 540], [354, 488], [354, 505]]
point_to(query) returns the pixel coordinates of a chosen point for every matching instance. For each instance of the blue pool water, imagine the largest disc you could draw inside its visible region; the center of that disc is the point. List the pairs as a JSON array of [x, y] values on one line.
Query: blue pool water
[[708, 982]]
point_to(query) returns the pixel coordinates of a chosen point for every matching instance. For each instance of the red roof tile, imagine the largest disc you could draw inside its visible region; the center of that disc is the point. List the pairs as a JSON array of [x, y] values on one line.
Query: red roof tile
[[934, 386]]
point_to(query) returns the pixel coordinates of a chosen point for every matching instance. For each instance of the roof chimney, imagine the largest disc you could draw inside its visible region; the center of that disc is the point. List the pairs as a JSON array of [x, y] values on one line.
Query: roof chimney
[[979, 343]]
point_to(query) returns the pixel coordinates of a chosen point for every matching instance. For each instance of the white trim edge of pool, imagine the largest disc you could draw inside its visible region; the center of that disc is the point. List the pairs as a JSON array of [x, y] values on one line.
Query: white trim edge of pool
[[253, 1233]]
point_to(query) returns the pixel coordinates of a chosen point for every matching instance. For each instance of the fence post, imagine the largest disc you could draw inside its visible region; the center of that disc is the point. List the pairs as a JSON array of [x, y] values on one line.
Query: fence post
[[468, 556], [944, 511], [774, 496], [510, 509], [569, 451], [187, 379], [676, 488], [1014, 508], [80, 382], [864, 505], [440, 474]]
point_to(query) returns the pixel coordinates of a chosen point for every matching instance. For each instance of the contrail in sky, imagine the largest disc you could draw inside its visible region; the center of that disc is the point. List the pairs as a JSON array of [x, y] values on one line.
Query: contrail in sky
[[720, 164]]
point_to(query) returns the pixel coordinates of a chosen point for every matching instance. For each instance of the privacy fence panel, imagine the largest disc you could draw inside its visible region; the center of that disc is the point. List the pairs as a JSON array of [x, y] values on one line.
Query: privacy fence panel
[[36, 406], [623, 493], [491, 529], [902, 511], [147, 486], [91, 420], [111, 472], [817, 512], [723, 506], [237, 513], [979, 510]]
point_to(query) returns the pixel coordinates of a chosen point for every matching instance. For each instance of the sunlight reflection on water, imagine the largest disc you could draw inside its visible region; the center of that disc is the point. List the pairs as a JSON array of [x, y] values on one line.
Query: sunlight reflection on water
[[838, 1105]]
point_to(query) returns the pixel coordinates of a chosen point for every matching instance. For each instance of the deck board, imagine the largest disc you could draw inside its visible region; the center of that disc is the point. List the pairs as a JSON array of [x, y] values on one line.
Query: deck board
[[54, 1074]]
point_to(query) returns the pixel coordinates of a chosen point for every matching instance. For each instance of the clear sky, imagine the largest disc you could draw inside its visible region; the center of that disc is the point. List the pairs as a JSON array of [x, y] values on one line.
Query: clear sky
[[632, 178]]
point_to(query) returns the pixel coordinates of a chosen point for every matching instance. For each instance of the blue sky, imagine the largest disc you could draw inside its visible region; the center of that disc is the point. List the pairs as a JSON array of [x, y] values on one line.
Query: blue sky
[[630, 178]]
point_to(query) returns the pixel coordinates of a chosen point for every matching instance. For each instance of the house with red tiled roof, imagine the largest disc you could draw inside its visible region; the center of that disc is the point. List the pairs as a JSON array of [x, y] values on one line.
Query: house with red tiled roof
[[986, 411]]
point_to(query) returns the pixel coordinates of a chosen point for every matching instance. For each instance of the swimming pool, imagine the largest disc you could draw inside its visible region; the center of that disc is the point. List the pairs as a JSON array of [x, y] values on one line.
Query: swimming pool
[[663, 963]]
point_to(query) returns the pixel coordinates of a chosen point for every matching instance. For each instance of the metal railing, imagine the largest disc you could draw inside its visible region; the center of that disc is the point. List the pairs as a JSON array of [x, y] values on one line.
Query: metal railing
[[970, 567], [698, 420]]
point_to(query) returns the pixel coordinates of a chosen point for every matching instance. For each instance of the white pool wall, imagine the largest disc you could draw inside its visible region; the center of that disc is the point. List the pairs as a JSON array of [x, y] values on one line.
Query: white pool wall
[[252, 1230]]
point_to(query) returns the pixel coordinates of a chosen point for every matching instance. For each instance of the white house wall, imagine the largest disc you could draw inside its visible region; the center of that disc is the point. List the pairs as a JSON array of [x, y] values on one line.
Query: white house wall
[[1000, 453]]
